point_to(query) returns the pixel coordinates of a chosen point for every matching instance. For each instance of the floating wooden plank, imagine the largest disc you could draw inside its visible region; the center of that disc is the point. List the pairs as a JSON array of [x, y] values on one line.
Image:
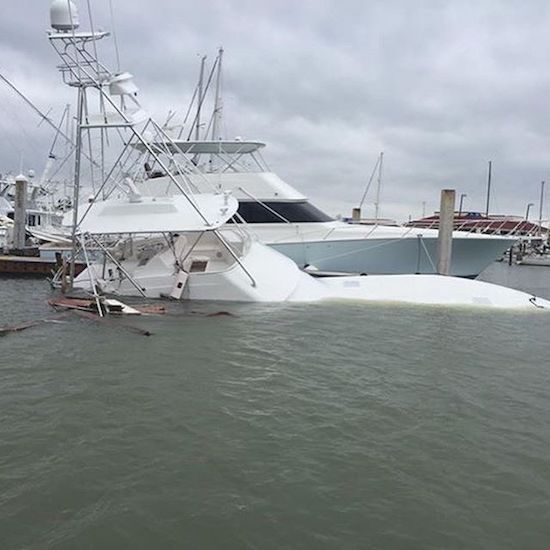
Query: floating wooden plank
[[109, 305]]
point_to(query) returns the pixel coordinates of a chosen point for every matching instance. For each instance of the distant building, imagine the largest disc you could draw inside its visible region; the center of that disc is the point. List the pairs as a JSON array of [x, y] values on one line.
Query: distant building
[[480, 223]]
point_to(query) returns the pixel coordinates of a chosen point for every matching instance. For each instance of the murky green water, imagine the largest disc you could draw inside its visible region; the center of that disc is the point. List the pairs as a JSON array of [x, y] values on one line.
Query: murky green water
[[281, 427]]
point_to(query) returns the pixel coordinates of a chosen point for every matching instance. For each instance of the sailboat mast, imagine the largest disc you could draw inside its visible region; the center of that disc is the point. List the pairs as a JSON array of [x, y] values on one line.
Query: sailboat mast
[[200, 99], [43, 116], [216, 123], [378, 186], [51, 155], [489, 187], [68, 127], [542, 184]]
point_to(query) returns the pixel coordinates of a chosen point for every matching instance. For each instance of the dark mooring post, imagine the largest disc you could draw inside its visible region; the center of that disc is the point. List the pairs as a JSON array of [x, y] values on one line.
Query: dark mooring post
[[445, 237], [20, 212]]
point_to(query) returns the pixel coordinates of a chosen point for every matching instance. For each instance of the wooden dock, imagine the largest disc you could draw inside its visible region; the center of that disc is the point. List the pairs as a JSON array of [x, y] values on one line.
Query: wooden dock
[[31, 265]]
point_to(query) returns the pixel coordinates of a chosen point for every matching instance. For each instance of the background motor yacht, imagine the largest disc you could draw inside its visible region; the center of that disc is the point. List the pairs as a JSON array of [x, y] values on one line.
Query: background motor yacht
[[285, 219]]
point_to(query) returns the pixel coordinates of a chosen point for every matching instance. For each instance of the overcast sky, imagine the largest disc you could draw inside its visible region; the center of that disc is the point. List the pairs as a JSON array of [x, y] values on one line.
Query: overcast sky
[[440, 86]]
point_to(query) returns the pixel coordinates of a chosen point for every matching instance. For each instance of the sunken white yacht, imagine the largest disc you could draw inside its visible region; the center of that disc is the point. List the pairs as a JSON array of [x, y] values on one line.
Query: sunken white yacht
[[285, 219], [180, 245]]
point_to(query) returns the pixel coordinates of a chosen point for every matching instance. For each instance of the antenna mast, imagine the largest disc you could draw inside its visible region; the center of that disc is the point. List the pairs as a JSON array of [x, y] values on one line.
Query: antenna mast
[[542, 184], [378, 186], [200, 99], [218, 106], [488, 188]]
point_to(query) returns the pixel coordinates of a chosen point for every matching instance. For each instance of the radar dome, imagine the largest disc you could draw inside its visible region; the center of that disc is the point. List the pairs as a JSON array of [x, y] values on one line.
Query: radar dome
[[63, 15]]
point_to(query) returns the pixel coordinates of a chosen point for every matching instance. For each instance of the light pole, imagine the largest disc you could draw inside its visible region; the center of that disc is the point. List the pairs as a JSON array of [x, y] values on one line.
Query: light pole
[[542, 183], [489, 187], [462, 197], [527, 213]]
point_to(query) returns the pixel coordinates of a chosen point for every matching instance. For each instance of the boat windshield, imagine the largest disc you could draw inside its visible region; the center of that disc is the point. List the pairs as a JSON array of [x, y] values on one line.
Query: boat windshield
[[295, 212]]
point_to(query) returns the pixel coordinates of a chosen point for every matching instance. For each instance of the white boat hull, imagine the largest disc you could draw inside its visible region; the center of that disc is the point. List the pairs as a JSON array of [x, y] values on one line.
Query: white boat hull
[[432, 290], [394, 256], [271, 277]]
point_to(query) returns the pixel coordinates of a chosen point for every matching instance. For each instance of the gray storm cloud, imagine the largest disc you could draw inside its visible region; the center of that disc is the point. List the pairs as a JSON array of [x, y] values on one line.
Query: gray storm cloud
[[439, 86]]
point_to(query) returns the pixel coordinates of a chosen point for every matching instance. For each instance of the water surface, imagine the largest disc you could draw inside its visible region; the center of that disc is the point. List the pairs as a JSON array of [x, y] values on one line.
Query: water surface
[[283, 426]]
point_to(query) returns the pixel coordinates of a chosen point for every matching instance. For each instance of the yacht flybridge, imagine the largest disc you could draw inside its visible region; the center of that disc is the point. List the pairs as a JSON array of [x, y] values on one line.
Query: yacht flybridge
[[180, 245]]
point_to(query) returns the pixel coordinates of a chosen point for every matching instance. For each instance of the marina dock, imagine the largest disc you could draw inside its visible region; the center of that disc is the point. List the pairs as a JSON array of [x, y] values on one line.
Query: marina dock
[[26, 265], [30, 265]]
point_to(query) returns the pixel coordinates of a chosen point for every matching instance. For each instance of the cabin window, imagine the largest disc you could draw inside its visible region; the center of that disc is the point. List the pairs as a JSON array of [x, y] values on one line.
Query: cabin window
[[295, 212]]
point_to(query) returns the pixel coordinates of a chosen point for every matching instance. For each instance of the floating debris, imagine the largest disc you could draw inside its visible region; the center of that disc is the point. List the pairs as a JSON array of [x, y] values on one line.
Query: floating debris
[[98, 309], [10, 329], [221, 314], [18, 328], [104, 306], [212, 314], [117, 324]]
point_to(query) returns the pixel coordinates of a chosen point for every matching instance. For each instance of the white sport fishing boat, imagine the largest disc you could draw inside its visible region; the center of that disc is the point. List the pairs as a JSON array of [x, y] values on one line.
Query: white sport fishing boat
[[180, 245]]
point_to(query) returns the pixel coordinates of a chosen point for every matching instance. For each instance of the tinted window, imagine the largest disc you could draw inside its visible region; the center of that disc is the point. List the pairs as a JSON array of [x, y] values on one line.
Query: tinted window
[[253, 212]]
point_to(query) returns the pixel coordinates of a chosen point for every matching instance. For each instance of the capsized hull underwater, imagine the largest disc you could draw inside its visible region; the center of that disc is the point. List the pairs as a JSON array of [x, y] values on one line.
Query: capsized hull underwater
[[264, 275], [433, 290]]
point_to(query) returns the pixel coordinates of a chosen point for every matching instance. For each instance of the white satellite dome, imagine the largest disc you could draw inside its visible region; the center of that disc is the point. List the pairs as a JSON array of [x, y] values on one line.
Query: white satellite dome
[[63, 15]]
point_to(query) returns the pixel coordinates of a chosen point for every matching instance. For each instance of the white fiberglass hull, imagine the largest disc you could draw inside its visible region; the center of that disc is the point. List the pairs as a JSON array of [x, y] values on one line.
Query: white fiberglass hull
[[379, 250], [271, 277], [432, 290]]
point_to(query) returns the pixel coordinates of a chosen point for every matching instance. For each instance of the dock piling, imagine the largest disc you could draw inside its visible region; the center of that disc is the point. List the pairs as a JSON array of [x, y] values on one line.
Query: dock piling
[[20, 212], [445, 236]]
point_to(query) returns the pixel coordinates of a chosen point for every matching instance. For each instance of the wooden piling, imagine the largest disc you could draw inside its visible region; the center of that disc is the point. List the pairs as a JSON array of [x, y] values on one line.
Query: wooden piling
[[445, 236], [20, 212]]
